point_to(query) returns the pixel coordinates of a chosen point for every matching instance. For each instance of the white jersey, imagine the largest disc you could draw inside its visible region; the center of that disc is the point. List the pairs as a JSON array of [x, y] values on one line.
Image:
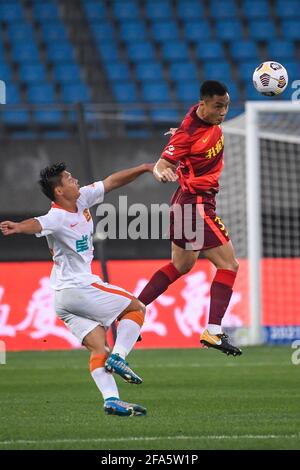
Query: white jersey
[[70, 239]]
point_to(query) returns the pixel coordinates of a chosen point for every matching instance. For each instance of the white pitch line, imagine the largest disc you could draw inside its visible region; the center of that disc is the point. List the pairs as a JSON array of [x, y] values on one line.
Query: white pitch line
[[154, 438]]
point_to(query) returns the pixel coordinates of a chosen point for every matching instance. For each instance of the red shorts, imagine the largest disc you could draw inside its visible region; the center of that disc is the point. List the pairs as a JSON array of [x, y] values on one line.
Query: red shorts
[[194, 224]]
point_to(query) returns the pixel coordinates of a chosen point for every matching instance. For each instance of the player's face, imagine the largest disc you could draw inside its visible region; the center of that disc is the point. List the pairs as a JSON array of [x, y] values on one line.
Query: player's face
[[69, 186], [215, 108]]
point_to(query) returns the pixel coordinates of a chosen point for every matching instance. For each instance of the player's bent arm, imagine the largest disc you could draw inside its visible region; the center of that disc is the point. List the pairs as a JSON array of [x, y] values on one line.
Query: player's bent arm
[[28, 226], [120, 178], [164, 171]]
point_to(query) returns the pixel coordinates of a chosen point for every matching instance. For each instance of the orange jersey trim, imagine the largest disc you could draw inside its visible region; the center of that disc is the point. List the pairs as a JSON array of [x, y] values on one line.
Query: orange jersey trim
[[112, 291], [209, 222]]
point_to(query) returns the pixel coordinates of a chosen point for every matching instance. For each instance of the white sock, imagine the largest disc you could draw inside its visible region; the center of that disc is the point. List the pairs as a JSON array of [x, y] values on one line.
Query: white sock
[[105, 382], [214, 329], [127, 333]]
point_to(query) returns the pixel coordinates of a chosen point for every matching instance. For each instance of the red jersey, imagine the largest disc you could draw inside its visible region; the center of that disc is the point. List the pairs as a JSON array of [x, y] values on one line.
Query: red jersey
[[199, 148]]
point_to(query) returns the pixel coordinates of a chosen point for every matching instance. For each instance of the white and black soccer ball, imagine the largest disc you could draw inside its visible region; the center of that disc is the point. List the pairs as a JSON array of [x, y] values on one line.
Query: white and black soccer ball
[[270, 78]]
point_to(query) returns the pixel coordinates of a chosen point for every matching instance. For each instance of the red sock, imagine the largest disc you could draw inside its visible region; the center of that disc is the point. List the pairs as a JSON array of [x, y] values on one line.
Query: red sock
[[158, 283], [220, 295]]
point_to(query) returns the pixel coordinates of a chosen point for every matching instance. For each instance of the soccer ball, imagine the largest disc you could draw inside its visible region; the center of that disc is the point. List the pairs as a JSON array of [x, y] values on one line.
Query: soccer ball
[[270, 78]]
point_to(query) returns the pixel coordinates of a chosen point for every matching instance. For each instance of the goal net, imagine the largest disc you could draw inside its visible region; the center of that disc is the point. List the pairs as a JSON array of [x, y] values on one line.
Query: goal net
[[260, 204]]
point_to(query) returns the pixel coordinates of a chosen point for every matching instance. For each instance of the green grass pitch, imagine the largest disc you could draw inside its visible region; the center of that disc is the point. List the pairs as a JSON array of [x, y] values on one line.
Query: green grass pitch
[[196, 399]]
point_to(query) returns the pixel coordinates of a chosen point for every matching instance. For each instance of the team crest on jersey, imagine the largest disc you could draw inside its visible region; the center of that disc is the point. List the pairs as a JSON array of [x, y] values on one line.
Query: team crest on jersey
[[87, 215], [216, 149]]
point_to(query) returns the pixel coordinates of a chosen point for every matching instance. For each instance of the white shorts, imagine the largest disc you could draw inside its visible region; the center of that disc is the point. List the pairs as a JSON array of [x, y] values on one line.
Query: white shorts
[[84, 308]]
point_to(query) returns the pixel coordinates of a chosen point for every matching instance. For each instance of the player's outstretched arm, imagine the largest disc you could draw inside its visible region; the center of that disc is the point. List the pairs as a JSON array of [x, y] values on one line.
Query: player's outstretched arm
[[120, 178], [29, 227], [165, 171]]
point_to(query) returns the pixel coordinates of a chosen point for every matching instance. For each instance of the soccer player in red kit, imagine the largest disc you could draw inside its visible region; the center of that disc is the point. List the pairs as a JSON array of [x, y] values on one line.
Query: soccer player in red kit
[[194, 157]]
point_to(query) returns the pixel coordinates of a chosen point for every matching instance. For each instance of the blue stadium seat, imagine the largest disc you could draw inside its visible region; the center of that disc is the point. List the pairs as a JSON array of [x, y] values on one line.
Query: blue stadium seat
[[189, 9], [125, 92], [168, 116], [220, 70], [103, 31], [256, 9], [288, 9], [223, 9], [20, 32], [94, 9], [293, 69], [75, 93], [132, 31], [196, 30], [228, 30], [246, 69], [25, 52], [45, 11], [234, 91], [262, 30], [149, 71], [66, 73], [175, 51], [156, 92], [281, 50], [139, 52], [291, 29], [134, 116], [32, 73], [210, 50], [164, 30], [188, 91], [12, 94], [183, 71], [158, 10], [50, 117], [60, 52], [242, 50], [16, 117], [126, 9], [252, 94], [109, 52], [53, 31], [5, 72], [117, 71], [11, 11], [42, 93], [234, 111]]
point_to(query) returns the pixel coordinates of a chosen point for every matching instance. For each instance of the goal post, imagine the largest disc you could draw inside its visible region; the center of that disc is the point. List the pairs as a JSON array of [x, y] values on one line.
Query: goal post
[[261, 205]]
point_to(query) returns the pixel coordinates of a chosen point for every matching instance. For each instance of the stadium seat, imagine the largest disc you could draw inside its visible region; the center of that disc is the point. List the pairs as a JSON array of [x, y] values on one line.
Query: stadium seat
[[196, 30], [109, 52], [149, 71], [168, 116], [158, 10], [189, 9], [291, 29], [102, 31], [210, 50], [262, 30], [252, 94], [256, 9], [125, 92], [75, 93], [94, 10], [66, 73], [234, 111], [117, 71], [233, 89], [49, 117], [45, 11], [125, 10], [132, 31], [12, 94], [32, 73], [281, 50], [25, 52], [288, 9], [53, 31], [60, 52], [15, 117], [164, 31], [188, 91], [139, 52], [247, 68], [20, 32], [41, 93], [175, 51], [11, 11], [183, 71], [5, 72], [215, 70], [293, 69], [223, 9], [242, 50], [156, 92], [228, 30]]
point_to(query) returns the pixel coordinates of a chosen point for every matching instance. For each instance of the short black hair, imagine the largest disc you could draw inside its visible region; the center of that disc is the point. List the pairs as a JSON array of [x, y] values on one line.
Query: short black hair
[[50, 177], [209, 88]]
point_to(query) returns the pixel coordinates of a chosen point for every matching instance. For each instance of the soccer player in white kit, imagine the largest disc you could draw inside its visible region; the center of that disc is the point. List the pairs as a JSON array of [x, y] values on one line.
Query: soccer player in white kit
[[86, 304]]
